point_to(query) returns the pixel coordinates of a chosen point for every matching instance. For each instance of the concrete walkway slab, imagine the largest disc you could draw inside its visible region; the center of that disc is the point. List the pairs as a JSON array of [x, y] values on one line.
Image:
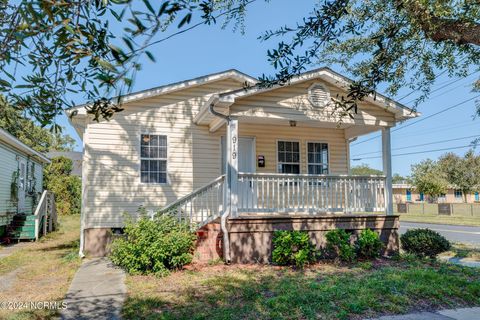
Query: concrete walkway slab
[[416, 316], [97, 292], [462, 314], [451, 314]]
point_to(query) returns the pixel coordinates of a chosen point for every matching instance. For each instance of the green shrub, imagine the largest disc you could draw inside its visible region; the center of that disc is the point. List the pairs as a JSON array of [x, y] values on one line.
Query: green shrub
[[424, 242], [67, 188], [338, 245], [153, 246], [368, 244], [292, 248]]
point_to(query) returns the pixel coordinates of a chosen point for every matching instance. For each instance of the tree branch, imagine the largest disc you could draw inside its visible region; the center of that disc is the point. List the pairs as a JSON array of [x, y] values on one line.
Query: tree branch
[[441, 29]]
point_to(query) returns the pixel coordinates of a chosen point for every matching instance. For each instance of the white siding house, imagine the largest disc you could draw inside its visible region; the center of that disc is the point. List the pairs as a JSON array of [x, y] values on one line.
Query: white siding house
[[171, 142]]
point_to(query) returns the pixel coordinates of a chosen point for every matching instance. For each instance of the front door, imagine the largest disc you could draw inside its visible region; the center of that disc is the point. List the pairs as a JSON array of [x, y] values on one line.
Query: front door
[[246, 163], [22, 180], [246, 154], [246, 157]]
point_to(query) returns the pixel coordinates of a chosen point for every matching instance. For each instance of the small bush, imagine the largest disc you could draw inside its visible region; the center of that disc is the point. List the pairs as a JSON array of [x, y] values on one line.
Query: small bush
[[424, 243], [338, 245], [154, 246], [368, 244], [292, 248]]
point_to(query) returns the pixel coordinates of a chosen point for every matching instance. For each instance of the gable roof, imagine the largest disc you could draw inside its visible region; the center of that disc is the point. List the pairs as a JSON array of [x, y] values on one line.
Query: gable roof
[[177, 86], [13, 142], [78, 121], [400, 111]]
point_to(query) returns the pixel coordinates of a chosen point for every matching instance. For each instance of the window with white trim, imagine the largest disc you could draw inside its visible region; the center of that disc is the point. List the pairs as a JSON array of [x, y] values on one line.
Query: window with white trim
[[153, 158], [288, 157], [317, 157]]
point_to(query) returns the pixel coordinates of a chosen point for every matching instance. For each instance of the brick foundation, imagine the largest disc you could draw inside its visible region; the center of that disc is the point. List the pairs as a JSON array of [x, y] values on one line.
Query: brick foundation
[[209, 243]]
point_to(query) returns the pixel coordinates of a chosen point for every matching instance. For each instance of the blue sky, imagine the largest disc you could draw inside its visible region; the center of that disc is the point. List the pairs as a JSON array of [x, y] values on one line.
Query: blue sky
[[209, 49]]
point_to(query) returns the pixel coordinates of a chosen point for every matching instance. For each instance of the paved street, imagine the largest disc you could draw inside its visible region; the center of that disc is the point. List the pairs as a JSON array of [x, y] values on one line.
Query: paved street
[[464, 234]]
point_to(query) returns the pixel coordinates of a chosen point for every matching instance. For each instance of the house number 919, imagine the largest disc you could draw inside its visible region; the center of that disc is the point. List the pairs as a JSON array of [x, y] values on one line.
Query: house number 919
[[234, 147]]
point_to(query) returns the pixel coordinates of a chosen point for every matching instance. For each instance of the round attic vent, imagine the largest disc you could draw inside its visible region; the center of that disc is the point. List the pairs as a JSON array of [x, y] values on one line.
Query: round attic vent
[[318, 95]]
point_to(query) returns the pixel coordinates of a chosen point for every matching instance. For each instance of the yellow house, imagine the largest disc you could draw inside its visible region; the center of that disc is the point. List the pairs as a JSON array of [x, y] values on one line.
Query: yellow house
[[218, 147]]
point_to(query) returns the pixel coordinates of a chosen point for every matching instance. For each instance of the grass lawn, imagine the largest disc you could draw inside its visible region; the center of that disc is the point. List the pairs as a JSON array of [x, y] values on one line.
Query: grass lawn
[[323, 291], [454, 220], [41, 271]]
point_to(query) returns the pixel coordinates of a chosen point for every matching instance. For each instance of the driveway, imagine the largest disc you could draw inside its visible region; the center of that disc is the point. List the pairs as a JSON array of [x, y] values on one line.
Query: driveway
[[464, 234]]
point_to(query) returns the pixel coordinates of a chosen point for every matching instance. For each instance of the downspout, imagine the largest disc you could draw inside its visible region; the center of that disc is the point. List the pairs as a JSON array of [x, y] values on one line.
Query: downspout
[[226, 212], [81, 252]]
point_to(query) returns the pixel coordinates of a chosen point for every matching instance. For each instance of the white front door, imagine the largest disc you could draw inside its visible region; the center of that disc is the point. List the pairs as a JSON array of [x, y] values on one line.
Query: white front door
[[22, 180], [246, 155], [246, 163]]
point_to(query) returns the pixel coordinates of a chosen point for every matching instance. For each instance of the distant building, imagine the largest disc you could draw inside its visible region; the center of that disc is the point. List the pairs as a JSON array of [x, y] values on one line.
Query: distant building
[[404, 192], [75, 156]]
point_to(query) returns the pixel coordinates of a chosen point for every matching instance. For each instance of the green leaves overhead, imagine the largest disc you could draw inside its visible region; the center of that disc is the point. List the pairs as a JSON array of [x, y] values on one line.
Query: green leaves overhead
[[392, 44], [88, 47]]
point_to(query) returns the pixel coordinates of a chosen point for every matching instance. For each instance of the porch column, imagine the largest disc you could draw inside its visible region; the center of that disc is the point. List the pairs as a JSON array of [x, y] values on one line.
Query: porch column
[[387, 169], [231, 172]]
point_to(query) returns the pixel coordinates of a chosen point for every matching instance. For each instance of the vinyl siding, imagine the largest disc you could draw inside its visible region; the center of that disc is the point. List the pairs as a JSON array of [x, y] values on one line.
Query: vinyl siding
[[291, 103], [8, 158], [112, 155], [112, 148], [266, 137]]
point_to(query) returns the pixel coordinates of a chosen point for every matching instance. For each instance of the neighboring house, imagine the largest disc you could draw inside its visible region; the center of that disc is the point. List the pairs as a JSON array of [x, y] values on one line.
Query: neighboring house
[[21, 179], [210, 147], [75, 156], [404, 192]]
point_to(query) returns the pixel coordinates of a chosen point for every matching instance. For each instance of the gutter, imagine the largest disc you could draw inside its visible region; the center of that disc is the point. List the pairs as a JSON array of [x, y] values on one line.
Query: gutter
[[226, 213]]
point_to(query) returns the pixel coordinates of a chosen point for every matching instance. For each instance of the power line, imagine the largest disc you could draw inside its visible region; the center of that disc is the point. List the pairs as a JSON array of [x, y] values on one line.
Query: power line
[[447, 85], [421, 145], [436, 77], [422, 119], [417, 152]]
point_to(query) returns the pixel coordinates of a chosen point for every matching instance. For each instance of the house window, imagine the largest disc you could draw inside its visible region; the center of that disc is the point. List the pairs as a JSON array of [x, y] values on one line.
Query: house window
[[458, 194], [422, 197], [317, 158], [477, 196], [409, 195], [288, 157], [153, 158]]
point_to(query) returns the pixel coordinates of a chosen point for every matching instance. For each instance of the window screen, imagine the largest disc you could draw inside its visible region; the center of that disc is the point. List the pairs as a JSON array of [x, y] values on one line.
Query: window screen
[[317, 158], [288, 157], [153, 158]]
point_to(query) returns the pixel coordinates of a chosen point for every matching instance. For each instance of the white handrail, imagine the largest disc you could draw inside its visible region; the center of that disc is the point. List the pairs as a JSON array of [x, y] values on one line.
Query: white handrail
[[45, 208], [39, 212], [201, 206], [276, 192]]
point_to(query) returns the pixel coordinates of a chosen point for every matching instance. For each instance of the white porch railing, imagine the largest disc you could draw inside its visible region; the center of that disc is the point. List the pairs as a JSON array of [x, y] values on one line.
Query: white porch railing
[[281, 193], [259, 192], [201, 206], [45, 214]]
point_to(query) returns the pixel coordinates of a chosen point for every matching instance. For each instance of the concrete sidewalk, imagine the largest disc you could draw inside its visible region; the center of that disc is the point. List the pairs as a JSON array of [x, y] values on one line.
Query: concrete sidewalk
[[96, 292], [452, 314]]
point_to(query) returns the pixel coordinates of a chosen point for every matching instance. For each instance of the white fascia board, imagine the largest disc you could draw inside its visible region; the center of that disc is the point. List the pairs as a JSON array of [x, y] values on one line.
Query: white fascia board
[[401, 112], [204, 109], [169, 88], [20, 146]]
